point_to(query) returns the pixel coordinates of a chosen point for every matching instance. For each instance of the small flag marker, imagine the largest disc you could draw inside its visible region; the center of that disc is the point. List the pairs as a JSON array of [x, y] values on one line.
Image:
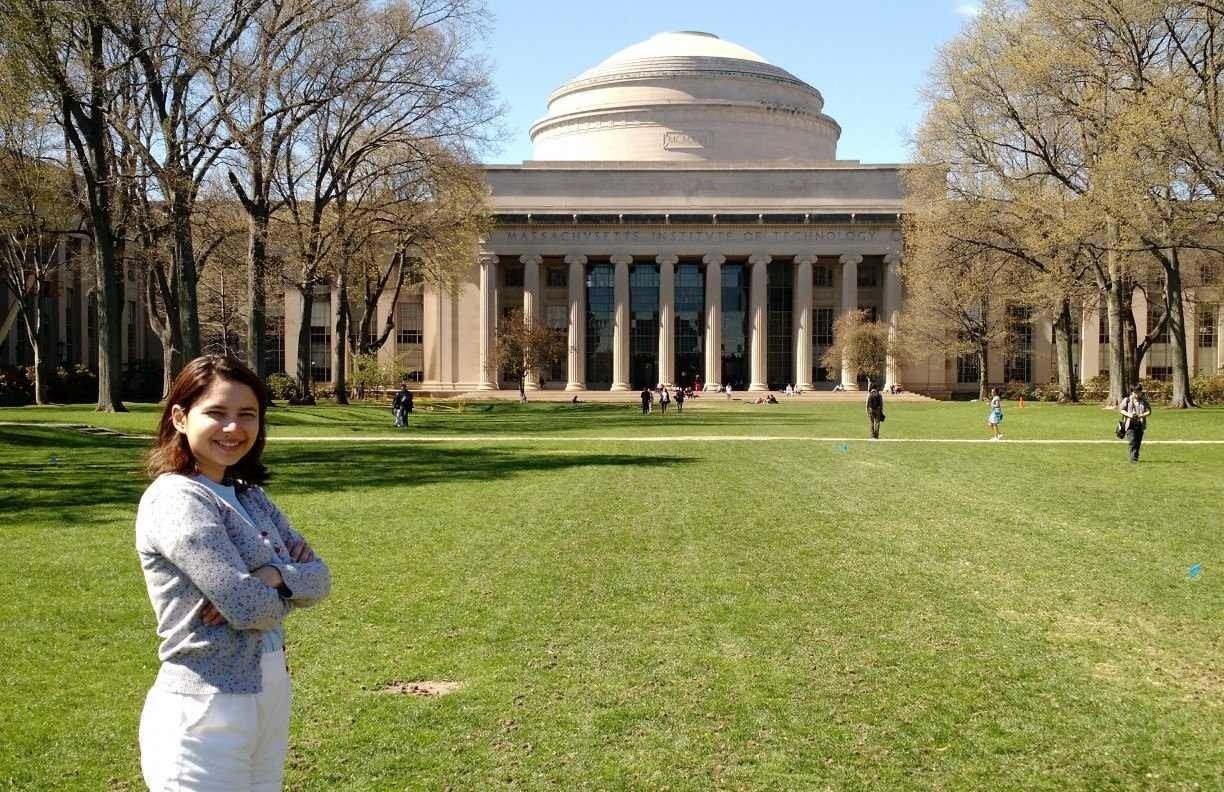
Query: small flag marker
[[1195, 570]]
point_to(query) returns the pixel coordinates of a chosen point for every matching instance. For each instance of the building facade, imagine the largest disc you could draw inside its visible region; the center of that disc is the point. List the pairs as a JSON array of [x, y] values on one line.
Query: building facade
[[685, 216]]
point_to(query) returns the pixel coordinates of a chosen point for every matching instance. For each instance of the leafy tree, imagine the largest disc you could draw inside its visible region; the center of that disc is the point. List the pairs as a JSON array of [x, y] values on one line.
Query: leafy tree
[[862, 345], [525, 346]]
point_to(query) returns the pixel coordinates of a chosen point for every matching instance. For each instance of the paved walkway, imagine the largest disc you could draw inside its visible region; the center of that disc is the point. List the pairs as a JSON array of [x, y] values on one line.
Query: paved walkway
[[413, 437]]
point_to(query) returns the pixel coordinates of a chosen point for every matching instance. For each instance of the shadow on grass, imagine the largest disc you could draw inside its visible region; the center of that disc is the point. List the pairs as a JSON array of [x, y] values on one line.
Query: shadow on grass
[[62, 476], [308, 468]]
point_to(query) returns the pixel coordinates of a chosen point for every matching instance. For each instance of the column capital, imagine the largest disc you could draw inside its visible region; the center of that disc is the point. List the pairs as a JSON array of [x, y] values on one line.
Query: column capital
[[760, 258], [576, 258], [893, 259], [531, 258], [667, 258], [717, 259], [489, 258], [850, 258], [621, 258], [806, 258]]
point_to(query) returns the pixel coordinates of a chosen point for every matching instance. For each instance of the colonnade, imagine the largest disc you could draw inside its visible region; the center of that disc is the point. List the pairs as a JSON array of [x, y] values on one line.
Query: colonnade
[[757, 342]]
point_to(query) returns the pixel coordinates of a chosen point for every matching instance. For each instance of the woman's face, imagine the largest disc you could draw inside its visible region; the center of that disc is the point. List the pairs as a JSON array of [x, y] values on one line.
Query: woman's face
[[221, 427]]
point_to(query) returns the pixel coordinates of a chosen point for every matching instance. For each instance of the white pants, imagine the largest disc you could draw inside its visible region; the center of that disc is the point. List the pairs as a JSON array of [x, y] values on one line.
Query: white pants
[[228, 742]]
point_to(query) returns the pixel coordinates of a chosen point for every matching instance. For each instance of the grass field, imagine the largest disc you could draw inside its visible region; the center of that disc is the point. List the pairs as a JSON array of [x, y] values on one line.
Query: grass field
[[672, 602]]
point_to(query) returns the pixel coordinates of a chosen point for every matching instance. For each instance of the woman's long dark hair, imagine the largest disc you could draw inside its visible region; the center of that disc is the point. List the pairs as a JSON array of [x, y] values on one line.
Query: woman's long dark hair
[[172, 454]]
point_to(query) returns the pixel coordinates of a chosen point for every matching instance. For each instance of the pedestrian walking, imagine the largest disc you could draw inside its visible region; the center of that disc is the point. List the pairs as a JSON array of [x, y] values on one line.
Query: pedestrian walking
[[647, 397], [401, 405], [728, 391], [875, 412], [223, 568], [1135, 410], [995, 418], [664, 399], [680, 399]]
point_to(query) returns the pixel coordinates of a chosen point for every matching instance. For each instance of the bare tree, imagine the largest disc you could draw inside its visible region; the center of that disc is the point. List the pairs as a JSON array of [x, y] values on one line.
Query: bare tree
[[861, 345], [37, 213], [524, 346]]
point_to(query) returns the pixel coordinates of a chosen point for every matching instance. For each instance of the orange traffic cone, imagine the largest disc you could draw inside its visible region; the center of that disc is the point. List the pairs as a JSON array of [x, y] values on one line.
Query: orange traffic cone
[[1021, 402]]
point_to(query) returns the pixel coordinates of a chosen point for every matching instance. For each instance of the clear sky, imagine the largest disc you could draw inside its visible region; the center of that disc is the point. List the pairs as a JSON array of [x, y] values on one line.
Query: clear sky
[[868, 58]]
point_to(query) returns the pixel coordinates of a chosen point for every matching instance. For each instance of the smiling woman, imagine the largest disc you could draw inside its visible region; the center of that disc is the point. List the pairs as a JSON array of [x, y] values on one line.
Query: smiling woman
[[223, 568]]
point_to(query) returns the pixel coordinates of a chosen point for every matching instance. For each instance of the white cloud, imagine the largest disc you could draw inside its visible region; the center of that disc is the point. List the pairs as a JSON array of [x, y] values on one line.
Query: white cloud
[[969, 9]]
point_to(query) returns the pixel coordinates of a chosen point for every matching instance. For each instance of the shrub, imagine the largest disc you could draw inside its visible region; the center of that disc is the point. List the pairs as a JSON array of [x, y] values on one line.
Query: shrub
[[1208, 389], [367, 375], [1157, 390], [76, 385], [16, 389], [282, 386], [1095, 388], [1047, 392], [142, 381]]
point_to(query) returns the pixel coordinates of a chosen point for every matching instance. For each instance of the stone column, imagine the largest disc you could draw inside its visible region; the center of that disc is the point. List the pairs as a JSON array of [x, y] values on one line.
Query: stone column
[[759, 339], [713, 333], [849, 304], [531, 304], [620, 328], [892, 313], [1090, 343], [1219, 337], [575, 371], [803, 322], [1190, 310], [667, 317], [488, 322]]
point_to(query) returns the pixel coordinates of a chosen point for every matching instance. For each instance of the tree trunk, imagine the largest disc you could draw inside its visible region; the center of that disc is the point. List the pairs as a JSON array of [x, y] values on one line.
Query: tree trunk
[[185, 269], [982, 354], [1130, 345], [110, 313], [1181, 397], [1063, 350], [339, 346], [257, 295], [1111, 284], [32, 316], [303, 350]]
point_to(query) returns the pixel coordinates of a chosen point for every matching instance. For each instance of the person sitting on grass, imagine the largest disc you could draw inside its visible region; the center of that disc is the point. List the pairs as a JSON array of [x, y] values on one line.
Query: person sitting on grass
[[223, 568]]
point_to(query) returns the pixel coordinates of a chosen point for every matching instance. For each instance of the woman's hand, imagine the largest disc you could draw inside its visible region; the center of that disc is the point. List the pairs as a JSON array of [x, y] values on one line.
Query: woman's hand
[[270, 576], [300, 552], [211, 615]]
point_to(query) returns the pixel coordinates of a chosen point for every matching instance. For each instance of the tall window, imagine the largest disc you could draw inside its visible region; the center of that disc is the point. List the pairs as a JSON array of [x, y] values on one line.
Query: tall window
[[690, 323], [512, 275], [1207, 325], [644, 325], [556, 316], [274, 346], [70, 328], [132, 327], [822, 326], [822, 276], [555, 279], [91, 328], [869, 271], [601, 307], [320, 340], [1103, 326], [1018, 366], [967, 369], [735, 325], [410, 338], [780, 359]]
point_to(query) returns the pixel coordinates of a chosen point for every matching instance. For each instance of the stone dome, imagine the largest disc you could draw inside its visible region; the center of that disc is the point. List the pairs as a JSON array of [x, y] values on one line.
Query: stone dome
[[685, 97]]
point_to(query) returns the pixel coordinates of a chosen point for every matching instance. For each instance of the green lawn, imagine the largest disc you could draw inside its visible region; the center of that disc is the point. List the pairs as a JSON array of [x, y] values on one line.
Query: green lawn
[[726, 614]]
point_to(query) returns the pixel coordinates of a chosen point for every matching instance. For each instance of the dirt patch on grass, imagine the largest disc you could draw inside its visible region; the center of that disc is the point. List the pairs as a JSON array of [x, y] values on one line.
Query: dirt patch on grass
[[426, 688]]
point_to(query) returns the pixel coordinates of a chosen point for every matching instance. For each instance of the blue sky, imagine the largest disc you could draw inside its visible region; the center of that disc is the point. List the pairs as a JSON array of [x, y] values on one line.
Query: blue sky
[[869, 58]]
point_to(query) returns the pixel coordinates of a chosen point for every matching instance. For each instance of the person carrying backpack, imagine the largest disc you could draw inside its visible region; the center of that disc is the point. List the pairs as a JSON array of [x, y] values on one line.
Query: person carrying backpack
[[875, 412], [1135, 410], [402, 405]]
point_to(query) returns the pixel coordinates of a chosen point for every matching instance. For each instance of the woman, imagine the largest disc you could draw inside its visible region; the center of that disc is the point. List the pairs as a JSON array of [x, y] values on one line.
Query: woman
[[223, 568], [996, 415]]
